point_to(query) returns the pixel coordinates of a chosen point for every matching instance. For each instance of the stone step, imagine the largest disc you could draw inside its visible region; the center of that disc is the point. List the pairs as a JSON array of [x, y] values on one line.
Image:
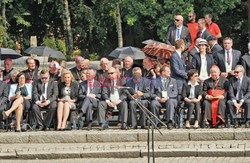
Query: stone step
[[141, 160], [117, 135], [224, 148]]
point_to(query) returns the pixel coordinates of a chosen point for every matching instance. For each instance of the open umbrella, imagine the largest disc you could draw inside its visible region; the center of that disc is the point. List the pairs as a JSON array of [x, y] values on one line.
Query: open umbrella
[[133, 52], [159, 49], [150, 41], [44, 51], [8, 53]]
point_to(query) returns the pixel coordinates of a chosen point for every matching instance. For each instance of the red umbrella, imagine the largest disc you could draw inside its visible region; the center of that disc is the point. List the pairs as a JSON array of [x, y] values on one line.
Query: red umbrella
[[159, 49]]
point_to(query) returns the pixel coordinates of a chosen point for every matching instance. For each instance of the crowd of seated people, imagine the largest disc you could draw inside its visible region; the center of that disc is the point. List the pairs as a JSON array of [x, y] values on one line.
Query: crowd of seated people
[[207, 80]]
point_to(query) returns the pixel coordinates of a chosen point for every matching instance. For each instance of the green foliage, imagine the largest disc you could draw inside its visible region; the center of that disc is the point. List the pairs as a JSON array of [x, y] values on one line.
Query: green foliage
[[50, 42], [61, 46]]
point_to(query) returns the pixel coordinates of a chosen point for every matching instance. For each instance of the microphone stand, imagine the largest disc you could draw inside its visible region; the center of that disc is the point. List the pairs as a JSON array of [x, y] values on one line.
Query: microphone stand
[[147, 113]]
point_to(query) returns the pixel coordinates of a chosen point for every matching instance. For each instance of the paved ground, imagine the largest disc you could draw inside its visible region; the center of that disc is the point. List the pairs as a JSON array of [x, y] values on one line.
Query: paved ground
[[142, 160]]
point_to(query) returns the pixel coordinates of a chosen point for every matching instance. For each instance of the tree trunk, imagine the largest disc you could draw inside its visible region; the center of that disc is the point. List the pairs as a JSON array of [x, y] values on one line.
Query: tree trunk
[[119, 26], [3, 5], [67, 28]]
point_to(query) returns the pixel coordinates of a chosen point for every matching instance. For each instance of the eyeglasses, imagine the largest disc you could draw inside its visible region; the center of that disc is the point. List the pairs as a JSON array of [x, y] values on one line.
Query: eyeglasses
[[110, 73], [236, 72], [176, 20], [44, 78]]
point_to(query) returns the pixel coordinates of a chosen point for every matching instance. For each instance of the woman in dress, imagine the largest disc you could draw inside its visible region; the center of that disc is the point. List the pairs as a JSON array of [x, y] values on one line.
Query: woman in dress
[[19, 96], [68, 91]]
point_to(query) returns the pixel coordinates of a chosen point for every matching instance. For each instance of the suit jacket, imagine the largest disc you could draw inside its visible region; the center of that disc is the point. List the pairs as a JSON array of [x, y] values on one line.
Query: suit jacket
[[245, 62], [52, 91], [245, 88], [101, 75], [204, 35], [29, 77], [147, 73], [76, 73], [178, 69], [83, 89], [4, 93], [186, 90], [106, 89], [220, 59], [210, 84], [143, 86], [185, 35], [73, 87], [6, 75], [190, 57], [157, 88], [196, 62], [216, 48], [127, 73]]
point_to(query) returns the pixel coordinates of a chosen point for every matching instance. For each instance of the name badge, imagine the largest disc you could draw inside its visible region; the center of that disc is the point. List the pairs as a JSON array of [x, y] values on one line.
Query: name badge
[[164, 94]]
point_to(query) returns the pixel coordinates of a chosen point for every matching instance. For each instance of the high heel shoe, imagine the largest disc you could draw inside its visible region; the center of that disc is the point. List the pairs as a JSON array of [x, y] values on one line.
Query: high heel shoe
[[5, 116]]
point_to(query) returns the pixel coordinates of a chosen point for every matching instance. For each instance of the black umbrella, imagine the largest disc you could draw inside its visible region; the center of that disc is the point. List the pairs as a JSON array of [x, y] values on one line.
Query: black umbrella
[[133, 52], [45, 51], [8, 53]]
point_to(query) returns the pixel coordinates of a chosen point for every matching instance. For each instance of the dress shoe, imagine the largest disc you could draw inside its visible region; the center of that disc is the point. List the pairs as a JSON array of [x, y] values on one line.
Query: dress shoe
[[40, 128], [170, 126], [89, 127], [18, 130], [124, 126], [134, 127], [236, 124], [159, 126], [46, 129], [143, 127], [247, 124], [103, 126]]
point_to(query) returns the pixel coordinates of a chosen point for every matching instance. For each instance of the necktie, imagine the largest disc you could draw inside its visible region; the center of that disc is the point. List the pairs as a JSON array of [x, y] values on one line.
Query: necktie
[[43, 91], [228, 58], [178, 34], [165, 84], [112, 87], [239, 94], [200, 34]]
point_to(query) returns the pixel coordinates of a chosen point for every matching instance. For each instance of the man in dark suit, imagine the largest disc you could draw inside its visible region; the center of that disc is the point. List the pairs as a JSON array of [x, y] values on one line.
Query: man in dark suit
[[102, 74], [128, 66], [214, 46], [31, 73], [245, 61], [239, 95], [203, 33], [89, 94], [8, 67], [177, 32], [165, 93], [227, 58], [4, 94], [141, 87], [45, 92], [193, 51], [147, 67], [114, 98], [76, 70], [178, 67]]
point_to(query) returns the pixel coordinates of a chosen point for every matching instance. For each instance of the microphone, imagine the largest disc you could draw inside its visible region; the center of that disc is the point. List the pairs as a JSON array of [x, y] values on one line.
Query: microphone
[[124, 87]]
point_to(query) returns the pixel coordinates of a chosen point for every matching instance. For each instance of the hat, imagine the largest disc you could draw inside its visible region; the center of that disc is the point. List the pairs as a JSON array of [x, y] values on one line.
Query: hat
[[210, 38], [203, 42]]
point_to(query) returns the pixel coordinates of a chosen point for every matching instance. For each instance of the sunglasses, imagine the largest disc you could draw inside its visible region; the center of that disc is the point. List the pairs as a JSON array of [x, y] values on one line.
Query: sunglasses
[[110, 73], [176, 20]]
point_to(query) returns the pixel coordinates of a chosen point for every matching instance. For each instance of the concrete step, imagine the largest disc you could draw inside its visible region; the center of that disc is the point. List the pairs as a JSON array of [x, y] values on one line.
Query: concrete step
[[225, 148], [117, 135]]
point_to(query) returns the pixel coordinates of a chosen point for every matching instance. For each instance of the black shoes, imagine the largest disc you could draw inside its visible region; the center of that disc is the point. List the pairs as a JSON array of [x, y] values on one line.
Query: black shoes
[[124, 126], [170, 126], [236, 124], [89, 127], [247, 125]]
